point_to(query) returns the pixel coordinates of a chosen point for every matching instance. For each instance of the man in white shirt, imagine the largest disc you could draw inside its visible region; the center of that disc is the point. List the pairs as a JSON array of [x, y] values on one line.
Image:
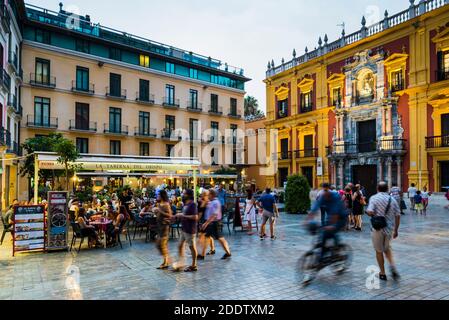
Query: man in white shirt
[[411, 195], [383, 206]]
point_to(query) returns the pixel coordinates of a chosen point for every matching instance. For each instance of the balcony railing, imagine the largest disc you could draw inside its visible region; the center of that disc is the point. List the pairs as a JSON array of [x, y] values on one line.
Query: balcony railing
[[306, 153], [234, 114], [437, 142], [116, 94], [215, 110], [170, 134], [5, 80], [14, 148], [90, 89], [13, 60], [145, 132], [116, 130], [46, 123], [5, 137], [382, 146], [82, 126], [12, 101], [42, 80], [141, 98], [170, 102], [399, 86], [442, 75], [286, 155], [306, 109], [194, 106], [19, 110]]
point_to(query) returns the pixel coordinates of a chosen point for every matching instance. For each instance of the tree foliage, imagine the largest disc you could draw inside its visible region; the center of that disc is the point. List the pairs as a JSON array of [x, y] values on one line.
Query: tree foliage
[[252, 107], [297, 195], [67, 155]]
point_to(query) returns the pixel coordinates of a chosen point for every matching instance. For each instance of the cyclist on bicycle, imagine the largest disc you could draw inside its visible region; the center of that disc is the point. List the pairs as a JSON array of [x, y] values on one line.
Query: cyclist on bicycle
[[337, 216]]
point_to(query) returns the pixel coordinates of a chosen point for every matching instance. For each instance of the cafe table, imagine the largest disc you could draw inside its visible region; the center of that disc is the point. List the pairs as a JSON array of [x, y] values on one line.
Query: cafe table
[[101, 226]]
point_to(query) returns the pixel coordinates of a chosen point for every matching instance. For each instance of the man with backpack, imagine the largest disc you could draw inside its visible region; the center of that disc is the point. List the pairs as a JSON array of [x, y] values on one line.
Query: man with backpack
[[385, 219]]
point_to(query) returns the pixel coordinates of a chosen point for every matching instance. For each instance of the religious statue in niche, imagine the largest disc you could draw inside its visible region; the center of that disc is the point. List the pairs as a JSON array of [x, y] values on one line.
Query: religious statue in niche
[[366, 87]]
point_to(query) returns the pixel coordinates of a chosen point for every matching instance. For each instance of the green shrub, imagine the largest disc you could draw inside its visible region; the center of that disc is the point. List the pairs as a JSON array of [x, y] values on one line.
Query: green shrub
[[297, 193]]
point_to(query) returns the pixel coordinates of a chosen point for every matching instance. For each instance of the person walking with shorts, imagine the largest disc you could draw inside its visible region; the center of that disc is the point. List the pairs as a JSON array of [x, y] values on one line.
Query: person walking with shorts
[[411, 195], [213, 216], [268, 203], [189, 219], [386, 219]]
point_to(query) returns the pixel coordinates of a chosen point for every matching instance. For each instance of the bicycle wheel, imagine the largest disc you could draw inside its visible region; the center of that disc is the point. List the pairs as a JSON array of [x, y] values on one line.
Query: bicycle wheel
[[307, 269], [342, 260]]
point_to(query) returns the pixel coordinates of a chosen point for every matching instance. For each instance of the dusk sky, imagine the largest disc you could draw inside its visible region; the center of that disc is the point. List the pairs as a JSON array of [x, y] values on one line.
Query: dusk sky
[[244, 33]]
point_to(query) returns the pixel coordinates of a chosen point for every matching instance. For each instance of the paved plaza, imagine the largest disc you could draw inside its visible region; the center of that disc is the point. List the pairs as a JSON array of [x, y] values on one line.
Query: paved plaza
[[257, 271]]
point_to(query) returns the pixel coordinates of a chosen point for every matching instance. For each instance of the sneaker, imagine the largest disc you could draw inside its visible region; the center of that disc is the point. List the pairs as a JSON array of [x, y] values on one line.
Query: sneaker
[[226, 256]]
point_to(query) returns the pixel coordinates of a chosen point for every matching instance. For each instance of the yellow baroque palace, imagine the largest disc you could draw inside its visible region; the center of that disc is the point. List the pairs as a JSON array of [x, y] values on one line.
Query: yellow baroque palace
[[370, 106]]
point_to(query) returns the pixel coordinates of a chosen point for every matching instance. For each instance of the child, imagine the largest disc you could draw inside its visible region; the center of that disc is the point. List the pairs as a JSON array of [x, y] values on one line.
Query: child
[[419, 207], [425, 199]]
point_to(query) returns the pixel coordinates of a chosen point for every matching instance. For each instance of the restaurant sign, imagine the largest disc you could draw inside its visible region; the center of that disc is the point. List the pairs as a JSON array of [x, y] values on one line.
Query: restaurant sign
[[58, 218], [54, 165], [29, 229]]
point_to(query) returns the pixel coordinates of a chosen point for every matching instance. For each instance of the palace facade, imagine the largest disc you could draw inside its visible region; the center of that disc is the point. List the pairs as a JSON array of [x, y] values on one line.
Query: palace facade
[[114, 93], [370, 106]]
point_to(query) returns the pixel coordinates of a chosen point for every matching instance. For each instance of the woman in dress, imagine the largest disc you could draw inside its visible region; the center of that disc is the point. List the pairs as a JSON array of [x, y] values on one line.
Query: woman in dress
[[114, 228], [250, 211], [347, 199], [87, 229], [357, 207], [164, 216]]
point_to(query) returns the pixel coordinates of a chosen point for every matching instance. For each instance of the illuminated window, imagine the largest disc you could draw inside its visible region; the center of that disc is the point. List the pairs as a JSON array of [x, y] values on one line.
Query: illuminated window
[[144, 61], [397, 81], [336, 97]]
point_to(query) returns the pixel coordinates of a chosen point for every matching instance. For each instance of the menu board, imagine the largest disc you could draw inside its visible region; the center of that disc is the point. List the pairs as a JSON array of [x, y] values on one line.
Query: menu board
[[57, 221], [29, 229]]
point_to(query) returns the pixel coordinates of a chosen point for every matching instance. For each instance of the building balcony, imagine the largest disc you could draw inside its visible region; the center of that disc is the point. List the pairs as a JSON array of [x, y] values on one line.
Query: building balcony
[[12, 101], [168, 134], [283, 156], [396, 87], [116, 94], [306, 109], [145, 132], [437, 142], [442, 75], [5, 137], [82, 126], [14, 148], [77, 88], [116, 130], [41, 123], [19, 110], [5, 18], [194, 107], [382, 147], [234, 114], [307, 153], [5, 81], [215, 110], [170, 103], [40, 80], [13, 61], [145, 99]]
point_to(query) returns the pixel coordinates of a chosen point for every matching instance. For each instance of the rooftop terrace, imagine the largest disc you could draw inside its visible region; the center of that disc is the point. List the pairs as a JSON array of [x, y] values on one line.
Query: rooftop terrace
[[83, 25], [414, 10]]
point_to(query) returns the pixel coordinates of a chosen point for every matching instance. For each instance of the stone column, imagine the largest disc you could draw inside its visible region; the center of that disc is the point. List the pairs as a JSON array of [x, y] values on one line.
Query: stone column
[[399, 164], [381, 169], [390, 173], [342, 128], [342, 174], [390, 121]]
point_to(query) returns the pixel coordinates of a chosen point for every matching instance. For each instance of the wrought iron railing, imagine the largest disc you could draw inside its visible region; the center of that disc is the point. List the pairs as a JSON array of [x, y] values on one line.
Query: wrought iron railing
[[143, 98], [42, 80], [83, 126], [42, 122], [437, 142], [89, 89], [112, 129], [145, 132], [116, 93]]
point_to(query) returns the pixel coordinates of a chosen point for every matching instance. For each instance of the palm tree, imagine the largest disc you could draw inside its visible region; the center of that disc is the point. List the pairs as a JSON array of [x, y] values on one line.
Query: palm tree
[[252, 107]]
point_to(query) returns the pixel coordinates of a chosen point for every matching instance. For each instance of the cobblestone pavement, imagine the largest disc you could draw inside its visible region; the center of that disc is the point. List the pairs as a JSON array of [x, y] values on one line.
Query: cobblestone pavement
[[257, 271]]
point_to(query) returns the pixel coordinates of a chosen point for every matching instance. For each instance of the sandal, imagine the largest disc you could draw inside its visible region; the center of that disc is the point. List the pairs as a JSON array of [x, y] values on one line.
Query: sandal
[[211, 253], [163, 267], [191, 269]]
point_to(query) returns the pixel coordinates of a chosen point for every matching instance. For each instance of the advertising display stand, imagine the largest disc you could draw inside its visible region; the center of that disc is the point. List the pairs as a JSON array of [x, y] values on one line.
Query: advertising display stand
[[29, 229], [57, 221]]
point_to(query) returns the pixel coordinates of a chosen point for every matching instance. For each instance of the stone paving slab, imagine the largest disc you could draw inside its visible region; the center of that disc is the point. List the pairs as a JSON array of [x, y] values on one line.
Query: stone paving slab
[[257, 271]]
